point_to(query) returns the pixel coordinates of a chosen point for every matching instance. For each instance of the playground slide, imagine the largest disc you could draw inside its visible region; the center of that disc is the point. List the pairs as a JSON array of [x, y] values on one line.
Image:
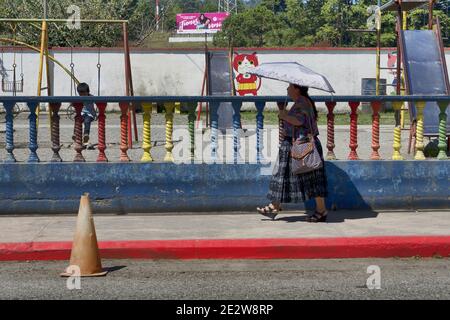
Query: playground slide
[[425, 73], [219, 84]]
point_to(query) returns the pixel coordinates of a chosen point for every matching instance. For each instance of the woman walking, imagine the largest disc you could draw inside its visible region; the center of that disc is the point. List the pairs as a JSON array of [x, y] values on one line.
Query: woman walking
[[299, 122]]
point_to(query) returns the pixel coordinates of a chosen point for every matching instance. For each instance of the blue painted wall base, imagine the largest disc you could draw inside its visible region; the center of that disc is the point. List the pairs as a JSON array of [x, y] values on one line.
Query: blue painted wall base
[[53, 188]]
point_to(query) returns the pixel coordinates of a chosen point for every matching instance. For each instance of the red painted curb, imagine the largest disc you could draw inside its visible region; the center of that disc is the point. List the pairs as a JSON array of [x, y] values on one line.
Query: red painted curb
[[303, 248]]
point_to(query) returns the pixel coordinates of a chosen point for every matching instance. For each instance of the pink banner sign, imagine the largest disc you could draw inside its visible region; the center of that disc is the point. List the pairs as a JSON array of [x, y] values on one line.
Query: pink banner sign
[[209, 22]]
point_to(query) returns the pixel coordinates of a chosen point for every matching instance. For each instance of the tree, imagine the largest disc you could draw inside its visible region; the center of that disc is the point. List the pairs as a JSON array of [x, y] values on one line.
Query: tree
[[60, 35], [255, 27], [257, 23]]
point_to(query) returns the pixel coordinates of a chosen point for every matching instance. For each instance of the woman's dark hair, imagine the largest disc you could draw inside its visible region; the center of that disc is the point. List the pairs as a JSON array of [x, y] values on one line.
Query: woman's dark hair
[[304, 92], [83, 87]]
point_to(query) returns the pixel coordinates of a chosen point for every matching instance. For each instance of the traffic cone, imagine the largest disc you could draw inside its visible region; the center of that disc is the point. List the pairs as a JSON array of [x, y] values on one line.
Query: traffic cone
[[85, 253]]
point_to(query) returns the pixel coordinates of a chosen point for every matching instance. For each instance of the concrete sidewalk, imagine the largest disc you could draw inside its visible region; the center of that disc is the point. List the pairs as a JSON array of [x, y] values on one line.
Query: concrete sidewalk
[[348, 234], [288, 224]]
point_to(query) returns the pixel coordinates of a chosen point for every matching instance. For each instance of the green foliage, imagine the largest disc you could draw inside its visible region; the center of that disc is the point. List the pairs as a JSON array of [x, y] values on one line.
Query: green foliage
[[89, 34], [319, 23], [258, 23]]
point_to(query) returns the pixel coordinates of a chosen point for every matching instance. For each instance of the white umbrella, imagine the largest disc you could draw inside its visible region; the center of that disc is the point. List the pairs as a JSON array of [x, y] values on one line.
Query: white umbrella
[[292, 72]]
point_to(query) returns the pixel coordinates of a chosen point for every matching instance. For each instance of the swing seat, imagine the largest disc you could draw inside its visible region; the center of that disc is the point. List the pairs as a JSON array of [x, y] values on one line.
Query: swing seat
[[12, 86]]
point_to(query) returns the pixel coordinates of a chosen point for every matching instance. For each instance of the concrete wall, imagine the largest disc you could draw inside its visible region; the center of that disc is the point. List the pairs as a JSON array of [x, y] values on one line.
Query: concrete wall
[[162, 187], [180, 72]]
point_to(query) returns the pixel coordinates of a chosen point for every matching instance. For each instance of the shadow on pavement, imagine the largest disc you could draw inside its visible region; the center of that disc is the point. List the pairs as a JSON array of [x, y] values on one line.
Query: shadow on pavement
[[112, 269], [333, 216]]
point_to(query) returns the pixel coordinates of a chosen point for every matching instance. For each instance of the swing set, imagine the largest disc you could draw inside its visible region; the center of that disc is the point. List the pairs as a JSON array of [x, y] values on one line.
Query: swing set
[[45, 57], [12, 86]]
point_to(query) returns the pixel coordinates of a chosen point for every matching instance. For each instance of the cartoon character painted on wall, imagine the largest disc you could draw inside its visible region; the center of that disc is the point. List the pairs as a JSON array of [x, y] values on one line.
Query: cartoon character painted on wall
[[246, 83], [392, 62]]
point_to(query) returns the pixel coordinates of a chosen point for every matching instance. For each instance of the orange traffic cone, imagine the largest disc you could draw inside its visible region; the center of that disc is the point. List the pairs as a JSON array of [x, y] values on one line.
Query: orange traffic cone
[[85, 253]]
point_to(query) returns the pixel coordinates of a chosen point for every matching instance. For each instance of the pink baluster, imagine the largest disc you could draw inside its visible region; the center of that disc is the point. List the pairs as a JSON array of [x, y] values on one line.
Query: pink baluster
[[124, 132], [101, 132], [376, 106]]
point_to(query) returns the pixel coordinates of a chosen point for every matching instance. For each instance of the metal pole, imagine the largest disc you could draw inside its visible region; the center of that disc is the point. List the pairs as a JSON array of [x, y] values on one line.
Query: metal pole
[[129, 86], [399, 51], [378, 26], [430, 15], [41, 56]]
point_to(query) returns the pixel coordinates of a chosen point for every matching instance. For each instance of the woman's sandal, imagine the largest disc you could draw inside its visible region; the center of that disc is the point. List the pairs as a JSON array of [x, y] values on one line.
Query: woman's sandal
[[318, 217], [269, 211]]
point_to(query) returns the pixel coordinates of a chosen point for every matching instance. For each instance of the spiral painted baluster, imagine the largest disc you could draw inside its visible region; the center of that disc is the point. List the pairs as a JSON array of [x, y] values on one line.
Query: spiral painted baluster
[[353, 155], [442, 130], [376, 106], [260, 130], [169, 106], [330, 130], [124, 131], [9, 106], [214, 107], [397, 106], [191, 121], [101, 132], [78, 133], [420, 105], [33, 146], [55, 134], [236, 130], [146, 136]]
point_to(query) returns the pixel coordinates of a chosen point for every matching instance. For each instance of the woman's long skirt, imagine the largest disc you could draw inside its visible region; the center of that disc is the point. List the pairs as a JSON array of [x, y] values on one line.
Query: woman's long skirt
[[287, 187]]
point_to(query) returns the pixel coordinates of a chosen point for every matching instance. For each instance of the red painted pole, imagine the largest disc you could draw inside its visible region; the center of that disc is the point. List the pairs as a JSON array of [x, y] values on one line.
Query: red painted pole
[[200, 104], [124, 131], [353, 131], [376, 106], [101, 132], [330, 130], [129, 86]]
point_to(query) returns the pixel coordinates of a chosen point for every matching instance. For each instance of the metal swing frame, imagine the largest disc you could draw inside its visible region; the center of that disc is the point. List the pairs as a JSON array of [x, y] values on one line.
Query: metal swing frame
[[45, 57]]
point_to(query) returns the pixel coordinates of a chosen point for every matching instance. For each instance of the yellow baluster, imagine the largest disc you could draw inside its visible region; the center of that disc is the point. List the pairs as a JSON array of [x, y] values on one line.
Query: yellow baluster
[[397, 106], [146, 138], [177, 107], [170, 106], [419, 131]]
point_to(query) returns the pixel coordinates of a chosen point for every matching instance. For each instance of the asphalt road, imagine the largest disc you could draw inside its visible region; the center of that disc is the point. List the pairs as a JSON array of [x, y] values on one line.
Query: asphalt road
[[233, 279]]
